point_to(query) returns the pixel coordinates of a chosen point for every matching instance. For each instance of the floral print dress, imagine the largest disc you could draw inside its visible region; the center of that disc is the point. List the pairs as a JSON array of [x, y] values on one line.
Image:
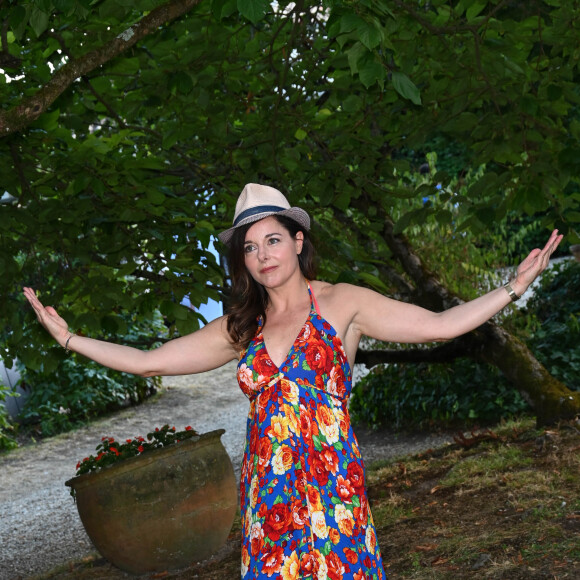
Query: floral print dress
[[305, 513]]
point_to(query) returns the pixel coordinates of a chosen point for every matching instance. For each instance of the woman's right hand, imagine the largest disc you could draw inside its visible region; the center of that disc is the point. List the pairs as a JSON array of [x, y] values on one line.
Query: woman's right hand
[[48, 317]]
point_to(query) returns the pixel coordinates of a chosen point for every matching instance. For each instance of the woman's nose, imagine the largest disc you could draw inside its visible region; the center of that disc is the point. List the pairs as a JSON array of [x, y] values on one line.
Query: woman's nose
[[262, 253]]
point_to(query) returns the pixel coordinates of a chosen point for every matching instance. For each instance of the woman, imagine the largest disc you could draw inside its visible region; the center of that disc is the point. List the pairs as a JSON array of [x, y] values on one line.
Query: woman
[[304, 508]]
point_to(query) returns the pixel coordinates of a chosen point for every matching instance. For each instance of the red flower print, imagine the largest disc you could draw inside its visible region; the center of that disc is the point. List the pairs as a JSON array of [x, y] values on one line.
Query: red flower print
[[356, 477], [319, 356], [272, 560], [278, 521], [344, 489], [361, 513], [336, 568], [307, 427], [254, 439], [264, 455], [351, 556], [319, 468], [307, 564], [256, 538], [299, 514], [329, 458], [359, 575], [263, 364], [314, 499]]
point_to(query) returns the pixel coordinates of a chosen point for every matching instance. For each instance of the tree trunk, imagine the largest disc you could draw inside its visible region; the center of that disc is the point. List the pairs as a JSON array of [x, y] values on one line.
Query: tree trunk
[[490, 343]]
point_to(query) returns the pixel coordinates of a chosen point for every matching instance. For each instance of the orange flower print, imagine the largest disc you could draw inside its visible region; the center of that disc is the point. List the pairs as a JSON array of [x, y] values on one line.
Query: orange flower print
[[344, 519], [330, 459], [290, 414], [245, 561], [344, 489], [282, 460], [272, 560], [313, 499], [334, 535], [264, 455], [300, 514], [290, 391], [335, 383], [256, 538], [247, 523], [319, 526], [327, 424], [371, 540], [335, 567], [254, 491], [279, 427], [291, 567]]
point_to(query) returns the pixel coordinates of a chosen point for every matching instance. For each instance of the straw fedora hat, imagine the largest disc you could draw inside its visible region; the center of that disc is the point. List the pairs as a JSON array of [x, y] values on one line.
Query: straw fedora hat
[[259, 201]]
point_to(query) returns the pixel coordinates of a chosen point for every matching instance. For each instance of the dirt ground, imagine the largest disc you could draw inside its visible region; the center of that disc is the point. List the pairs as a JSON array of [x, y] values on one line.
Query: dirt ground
[[39, 525]]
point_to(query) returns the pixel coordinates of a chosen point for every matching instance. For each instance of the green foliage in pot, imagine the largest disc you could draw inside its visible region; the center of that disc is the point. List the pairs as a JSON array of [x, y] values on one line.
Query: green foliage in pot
[[110, 452]]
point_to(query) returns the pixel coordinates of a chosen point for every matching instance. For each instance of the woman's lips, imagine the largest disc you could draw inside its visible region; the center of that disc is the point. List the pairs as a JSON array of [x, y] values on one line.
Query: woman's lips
[[268, 269]]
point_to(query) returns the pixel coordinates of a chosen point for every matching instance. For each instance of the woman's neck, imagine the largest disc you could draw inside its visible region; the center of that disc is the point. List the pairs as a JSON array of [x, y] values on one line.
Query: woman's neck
[[288, 297]]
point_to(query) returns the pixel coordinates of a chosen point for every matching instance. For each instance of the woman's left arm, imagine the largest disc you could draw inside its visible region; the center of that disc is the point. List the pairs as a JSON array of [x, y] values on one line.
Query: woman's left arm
[[393, 321]]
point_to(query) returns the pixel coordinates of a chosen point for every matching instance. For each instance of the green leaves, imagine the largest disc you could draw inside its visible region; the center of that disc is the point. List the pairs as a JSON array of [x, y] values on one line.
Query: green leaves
[[405, 87], [253, 10]]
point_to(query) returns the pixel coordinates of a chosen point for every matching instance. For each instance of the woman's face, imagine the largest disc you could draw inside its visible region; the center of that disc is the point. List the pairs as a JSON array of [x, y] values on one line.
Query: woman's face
[[271, 253]]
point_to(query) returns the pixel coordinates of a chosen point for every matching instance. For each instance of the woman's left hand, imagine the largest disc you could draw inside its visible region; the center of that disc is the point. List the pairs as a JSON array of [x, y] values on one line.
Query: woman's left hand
[[534, 264]]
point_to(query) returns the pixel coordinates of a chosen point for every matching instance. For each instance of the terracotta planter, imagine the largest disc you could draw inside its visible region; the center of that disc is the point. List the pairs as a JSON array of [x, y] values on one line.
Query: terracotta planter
[[161, 510]]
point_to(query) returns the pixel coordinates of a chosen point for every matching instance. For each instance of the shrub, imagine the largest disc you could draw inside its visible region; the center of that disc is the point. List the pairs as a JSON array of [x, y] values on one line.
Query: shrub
[[423, 395], [78, 389], [555, 338], [6, 428]]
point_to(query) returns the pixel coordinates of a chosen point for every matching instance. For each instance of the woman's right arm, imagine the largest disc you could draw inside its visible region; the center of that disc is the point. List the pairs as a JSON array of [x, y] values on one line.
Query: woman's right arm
[[200, 351]]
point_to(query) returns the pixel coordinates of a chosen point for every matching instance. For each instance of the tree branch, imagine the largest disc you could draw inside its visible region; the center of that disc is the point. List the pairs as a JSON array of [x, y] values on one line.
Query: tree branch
[[444, 353], [18, 117]]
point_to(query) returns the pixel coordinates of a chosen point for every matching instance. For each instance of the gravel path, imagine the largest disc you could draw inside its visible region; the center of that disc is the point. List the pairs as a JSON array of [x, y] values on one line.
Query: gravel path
[[39, 524]]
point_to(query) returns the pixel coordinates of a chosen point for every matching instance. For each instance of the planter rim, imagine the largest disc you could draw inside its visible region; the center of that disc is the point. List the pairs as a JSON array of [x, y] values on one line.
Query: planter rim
[[140, 461]]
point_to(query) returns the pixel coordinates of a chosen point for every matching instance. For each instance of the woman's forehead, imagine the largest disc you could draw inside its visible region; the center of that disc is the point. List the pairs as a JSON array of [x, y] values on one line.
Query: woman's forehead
[[264, 227]]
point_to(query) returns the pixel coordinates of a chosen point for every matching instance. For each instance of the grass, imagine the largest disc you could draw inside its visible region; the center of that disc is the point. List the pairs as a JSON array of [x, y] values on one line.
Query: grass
[[499, 504]]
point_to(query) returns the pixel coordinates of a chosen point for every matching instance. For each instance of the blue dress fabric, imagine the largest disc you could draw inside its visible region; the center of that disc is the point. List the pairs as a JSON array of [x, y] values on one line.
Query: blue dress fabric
[[304, 508]]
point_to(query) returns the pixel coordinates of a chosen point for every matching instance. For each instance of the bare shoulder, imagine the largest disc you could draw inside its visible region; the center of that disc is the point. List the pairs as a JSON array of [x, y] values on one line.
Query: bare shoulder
[[337, 298], [341, 292]]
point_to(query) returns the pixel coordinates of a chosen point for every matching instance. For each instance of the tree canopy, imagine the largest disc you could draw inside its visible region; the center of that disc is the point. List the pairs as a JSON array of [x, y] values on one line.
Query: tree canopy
[[128, 128]]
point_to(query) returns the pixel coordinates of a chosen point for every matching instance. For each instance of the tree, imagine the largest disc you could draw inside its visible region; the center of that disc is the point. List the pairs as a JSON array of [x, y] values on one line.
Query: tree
[[131, 127]]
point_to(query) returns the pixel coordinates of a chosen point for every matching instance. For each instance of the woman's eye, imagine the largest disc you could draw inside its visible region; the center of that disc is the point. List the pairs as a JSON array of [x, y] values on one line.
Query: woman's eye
[[249, 249], [273, 241]]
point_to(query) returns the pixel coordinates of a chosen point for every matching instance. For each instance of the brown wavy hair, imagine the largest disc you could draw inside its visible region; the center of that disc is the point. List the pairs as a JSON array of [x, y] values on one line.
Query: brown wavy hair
[[249, 298]]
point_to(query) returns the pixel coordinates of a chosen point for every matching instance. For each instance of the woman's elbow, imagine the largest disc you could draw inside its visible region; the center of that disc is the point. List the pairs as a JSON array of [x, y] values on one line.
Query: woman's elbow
[[147, 374]]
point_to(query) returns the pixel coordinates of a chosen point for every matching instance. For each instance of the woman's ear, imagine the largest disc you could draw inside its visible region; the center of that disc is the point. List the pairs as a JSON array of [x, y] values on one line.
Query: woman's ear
[[299, 242]]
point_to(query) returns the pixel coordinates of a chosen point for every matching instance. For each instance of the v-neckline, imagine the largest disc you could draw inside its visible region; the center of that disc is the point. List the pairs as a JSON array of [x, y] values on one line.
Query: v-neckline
[[292, 346], [300, 332]]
